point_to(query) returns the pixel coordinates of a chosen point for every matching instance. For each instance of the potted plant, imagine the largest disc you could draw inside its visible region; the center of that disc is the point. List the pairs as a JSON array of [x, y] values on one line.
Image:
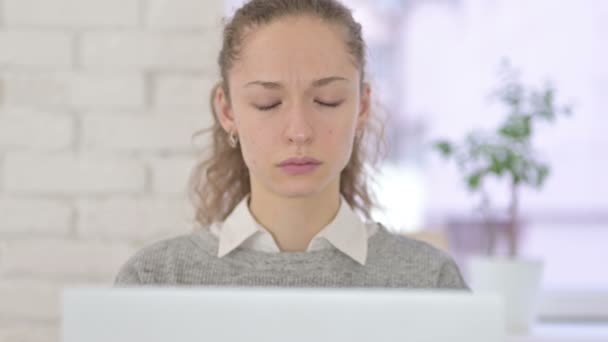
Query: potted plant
[[506, 154]]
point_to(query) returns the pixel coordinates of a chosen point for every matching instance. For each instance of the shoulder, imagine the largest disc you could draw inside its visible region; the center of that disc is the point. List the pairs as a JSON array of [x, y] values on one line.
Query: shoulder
[[414, 257], [151, 260], [405, 247]]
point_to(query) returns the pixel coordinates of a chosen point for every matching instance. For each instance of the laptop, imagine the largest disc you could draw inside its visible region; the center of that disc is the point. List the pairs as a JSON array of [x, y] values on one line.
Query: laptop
[[227, 314]]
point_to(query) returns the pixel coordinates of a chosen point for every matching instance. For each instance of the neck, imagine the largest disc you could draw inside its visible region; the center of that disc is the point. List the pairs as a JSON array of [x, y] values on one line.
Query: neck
[[294, 221]]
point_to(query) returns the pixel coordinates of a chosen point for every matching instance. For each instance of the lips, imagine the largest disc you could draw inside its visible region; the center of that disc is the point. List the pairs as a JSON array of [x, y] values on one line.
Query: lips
[[300, 161], [299, 165]]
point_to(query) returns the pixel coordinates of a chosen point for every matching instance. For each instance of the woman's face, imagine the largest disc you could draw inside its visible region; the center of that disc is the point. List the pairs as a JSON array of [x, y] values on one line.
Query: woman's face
[[294, 92]]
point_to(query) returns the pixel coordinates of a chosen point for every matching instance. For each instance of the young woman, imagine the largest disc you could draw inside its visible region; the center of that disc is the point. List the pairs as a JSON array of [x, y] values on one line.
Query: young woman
[[278, 200]]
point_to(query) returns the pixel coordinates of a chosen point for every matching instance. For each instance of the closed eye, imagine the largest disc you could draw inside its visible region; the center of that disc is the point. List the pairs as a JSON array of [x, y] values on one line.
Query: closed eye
[[269, 107], [329, 104], [326, 104]]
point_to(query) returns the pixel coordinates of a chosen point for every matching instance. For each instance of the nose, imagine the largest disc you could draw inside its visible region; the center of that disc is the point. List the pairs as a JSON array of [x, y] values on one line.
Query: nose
[[299, 130]]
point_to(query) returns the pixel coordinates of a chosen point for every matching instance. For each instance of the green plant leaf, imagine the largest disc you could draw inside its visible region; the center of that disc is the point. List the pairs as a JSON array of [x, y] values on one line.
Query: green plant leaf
[[517, 127], [444, 147], [497, 166], [507, 151], [542, 174], [474, 180], [548, 110]]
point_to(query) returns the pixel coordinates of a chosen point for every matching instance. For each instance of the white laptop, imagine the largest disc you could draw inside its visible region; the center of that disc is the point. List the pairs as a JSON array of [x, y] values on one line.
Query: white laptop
[[164, 314]]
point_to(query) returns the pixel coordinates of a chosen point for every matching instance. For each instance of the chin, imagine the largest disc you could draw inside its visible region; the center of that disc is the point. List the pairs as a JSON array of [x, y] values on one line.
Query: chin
[[298, 188], [295, 192]]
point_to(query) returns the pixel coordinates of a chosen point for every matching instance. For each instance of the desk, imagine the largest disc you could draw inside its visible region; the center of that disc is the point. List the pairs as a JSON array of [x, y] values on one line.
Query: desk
[[565, 332]]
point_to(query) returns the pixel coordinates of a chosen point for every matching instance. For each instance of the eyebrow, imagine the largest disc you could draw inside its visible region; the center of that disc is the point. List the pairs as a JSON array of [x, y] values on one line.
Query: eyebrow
[[317, 83]]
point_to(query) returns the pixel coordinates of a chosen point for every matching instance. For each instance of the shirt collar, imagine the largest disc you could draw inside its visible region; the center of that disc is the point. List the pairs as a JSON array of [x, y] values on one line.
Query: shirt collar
[[346, 232]]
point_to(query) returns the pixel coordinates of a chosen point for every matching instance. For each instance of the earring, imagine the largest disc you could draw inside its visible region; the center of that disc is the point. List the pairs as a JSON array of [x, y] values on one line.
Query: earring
[[233, 139]]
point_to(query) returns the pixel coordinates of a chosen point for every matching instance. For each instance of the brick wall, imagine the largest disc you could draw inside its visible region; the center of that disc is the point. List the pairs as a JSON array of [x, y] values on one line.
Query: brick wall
[[98, 102]]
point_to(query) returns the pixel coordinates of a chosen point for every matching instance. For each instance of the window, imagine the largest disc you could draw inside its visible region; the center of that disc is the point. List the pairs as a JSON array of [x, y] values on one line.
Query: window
[[433, 63], [450, 53]]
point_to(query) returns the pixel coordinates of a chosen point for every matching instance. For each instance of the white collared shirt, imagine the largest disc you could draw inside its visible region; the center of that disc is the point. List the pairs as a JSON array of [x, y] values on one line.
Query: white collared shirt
[[347, 232]]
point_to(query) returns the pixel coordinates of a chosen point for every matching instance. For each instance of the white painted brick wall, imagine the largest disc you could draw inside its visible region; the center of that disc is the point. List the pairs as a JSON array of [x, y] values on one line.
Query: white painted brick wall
[[166, 170], [79, 90], [111, 90], [12, 331], [30, 299], [182, 91], [35, 49], [71, 175], [51, 217], [184, 14], [35, 300], [55, 258], [150, 132], [22, 129], [132, 219], [150, 51], [75, 14], [98, 103]]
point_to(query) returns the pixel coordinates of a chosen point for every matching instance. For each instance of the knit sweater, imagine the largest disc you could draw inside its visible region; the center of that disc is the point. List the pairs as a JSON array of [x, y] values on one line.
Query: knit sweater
[[393, 261]]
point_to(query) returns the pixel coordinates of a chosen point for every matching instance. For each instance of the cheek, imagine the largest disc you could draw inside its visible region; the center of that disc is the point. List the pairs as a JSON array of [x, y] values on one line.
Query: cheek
[[249, 148], [257, 143], [338, 140], [339, 135]]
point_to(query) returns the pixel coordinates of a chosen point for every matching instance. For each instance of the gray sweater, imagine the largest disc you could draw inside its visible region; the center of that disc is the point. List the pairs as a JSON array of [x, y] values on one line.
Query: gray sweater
[[191, 260]]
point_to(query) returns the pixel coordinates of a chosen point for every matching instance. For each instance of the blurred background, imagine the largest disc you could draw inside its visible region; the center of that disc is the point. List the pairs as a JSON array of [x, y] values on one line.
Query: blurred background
[[99, 100]]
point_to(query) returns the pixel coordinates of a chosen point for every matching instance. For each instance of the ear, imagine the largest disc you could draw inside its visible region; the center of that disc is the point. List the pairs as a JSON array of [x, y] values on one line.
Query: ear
[[223, 109], [365, 105]]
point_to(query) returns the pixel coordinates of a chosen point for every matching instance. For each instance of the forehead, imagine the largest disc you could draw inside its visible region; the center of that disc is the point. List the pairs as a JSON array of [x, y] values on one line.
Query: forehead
[[294, 48]]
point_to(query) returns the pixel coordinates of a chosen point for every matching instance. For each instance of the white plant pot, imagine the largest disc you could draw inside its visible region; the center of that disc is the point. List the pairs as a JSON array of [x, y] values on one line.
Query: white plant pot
[[518, 281]]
